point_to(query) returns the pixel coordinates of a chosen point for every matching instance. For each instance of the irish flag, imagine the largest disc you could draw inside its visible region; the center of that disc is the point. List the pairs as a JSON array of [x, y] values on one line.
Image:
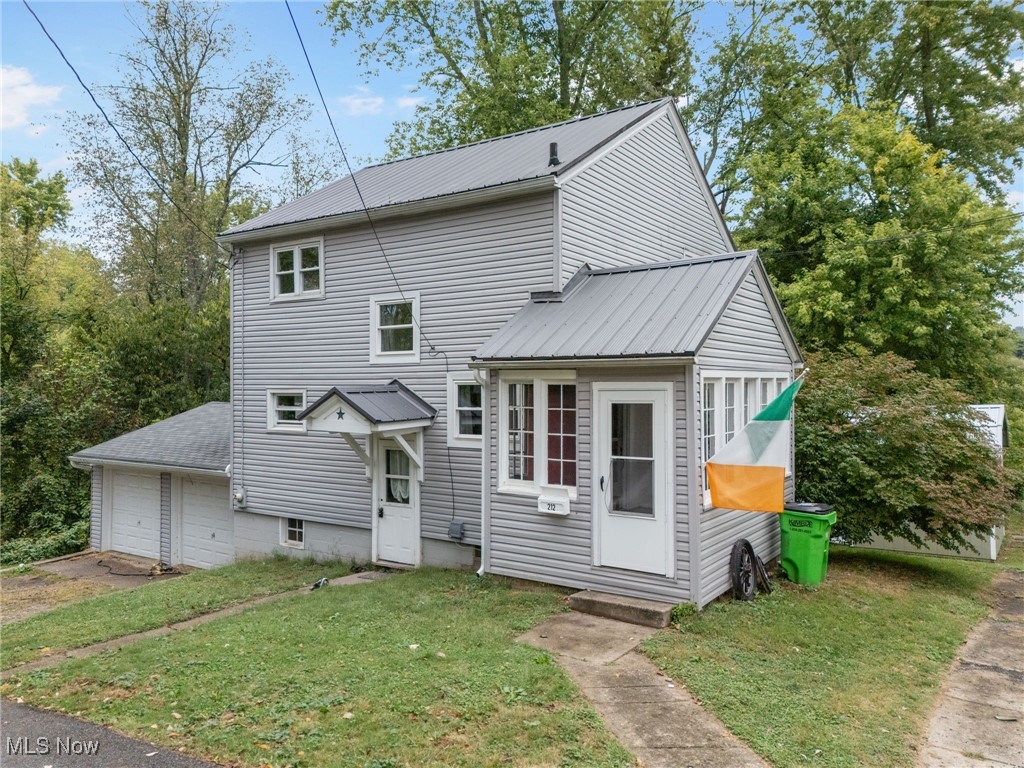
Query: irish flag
[[749, 471]]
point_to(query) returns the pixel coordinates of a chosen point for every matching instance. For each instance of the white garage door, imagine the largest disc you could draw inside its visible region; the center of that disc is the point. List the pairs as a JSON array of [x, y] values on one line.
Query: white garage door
[[207, 525], [135, 514]]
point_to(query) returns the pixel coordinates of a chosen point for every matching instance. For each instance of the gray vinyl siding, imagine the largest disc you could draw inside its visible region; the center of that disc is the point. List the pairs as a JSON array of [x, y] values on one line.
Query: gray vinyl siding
[[641, 202], [96, 511], [746, 337], [473, 268], [557, 550], [165, 517]]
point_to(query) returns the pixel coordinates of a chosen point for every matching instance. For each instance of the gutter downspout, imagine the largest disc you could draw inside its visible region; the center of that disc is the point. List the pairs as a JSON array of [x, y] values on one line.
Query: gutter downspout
[[482, 377]]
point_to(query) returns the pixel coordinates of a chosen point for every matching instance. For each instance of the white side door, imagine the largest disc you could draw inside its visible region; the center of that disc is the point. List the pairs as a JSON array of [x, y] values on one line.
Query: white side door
[[396, 514], [633, 476]]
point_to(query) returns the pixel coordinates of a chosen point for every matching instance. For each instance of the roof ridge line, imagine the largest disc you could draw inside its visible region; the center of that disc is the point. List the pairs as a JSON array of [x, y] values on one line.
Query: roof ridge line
[[512, 135], [731, 256]]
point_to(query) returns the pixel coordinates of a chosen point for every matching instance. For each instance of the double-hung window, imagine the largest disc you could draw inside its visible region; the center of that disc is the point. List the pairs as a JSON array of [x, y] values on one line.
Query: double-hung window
[[729, 401], [465, 411], [297, 270], [394, 320], [283, 409], [537, 432]]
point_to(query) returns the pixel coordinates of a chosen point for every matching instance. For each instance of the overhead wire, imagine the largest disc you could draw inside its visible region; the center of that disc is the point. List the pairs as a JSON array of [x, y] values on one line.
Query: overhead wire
[[433, 351], [117, 132]]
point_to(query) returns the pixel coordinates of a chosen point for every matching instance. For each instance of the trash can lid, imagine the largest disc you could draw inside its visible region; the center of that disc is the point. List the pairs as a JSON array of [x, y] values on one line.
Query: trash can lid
[[808, 507]]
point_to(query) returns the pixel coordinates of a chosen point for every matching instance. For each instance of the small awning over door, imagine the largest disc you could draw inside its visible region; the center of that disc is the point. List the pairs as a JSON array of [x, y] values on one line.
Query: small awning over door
[[391, 410]]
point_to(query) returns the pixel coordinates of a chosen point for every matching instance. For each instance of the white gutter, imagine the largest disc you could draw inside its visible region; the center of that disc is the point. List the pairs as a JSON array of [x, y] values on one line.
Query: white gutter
[[88, 464], [572, 362], [397, 210]]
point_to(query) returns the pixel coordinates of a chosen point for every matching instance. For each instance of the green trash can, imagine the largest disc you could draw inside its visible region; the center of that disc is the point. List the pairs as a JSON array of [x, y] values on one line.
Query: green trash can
[[806, 529]]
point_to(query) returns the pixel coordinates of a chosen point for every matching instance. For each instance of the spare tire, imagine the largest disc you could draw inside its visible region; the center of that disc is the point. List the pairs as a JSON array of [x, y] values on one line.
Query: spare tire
[[743, 570]]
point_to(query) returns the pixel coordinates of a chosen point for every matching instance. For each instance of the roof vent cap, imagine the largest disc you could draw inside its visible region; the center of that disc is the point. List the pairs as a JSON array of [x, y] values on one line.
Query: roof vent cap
[[553, 154]]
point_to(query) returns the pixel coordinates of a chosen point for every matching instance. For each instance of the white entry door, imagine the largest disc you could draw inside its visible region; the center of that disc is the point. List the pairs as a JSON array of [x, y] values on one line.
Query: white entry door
[[632, 477], [397, 514]]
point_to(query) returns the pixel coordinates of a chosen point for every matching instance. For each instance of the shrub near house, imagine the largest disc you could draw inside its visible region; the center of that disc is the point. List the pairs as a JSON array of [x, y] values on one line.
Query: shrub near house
[[897, 452]]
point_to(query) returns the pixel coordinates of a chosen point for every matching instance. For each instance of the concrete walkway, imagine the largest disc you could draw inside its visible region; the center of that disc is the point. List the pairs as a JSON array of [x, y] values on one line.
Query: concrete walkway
[[652, 716], [979, 720], [121, 642]]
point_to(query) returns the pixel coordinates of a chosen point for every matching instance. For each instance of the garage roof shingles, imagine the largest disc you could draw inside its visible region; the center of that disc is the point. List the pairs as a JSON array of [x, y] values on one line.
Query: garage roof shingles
[[197, 439]]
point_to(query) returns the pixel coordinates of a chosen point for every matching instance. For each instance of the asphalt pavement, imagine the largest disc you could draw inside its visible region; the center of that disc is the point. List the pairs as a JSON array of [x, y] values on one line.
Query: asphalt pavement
[[38, 738]]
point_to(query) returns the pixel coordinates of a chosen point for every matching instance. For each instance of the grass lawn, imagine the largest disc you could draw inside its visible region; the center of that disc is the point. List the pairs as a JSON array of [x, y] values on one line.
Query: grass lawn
[[123, 612], [842, 675], [416, 670]]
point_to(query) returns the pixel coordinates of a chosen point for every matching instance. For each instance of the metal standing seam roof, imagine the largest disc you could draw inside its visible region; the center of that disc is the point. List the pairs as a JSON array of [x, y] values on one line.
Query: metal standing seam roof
[[481, 165], [384, 404], [662, 309], [196, 439]]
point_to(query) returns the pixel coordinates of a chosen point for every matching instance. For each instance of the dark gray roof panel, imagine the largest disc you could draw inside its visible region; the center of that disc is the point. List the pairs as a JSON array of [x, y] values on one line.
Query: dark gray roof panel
[[384, 404], [196, 439], [654, 310], [485, 164]]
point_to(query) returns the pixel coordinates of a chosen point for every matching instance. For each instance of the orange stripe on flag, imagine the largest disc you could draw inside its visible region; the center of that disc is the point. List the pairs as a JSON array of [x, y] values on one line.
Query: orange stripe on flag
[[742, 486]]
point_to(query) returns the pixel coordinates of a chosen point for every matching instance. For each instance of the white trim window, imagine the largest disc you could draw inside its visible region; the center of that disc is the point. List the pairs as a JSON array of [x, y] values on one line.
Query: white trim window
[[293, 532], [283, 409], [297, 270], [465, 411], [730, 400], [537, 432], [395, 332]]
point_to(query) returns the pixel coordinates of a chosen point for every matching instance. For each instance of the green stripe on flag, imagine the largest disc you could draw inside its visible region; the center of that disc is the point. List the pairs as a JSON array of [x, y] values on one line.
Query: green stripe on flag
[[779, 408]]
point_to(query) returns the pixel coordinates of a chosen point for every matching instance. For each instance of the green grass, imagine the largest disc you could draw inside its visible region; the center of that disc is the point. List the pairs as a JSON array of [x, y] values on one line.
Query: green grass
[[842, 675], [96, 619], [416, 670]]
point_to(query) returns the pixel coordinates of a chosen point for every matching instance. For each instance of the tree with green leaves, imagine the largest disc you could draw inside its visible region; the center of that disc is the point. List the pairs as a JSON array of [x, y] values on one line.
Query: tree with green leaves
[[879, 246], [499, 67], [946, 67], [898, 452], [30, 205]]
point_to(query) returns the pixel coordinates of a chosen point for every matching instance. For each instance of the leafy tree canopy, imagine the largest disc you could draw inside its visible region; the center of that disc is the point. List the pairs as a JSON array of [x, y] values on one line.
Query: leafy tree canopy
[[499, 67], [878, 245]]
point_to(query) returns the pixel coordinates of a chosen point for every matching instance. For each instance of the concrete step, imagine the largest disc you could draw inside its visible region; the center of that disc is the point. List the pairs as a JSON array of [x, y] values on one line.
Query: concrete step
[[647, 613]]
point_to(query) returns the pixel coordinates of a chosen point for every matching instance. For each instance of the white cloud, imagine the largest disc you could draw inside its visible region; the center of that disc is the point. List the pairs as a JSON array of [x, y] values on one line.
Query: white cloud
[[363, 102], [408, 102], [19, 94], [1015, 199]]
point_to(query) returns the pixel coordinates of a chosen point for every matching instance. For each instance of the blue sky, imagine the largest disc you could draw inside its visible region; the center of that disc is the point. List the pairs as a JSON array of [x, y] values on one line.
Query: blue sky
[[38, 87]]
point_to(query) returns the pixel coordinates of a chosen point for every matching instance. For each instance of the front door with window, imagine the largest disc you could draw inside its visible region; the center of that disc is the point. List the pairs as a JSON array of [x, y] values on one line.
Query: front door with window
[[397, 505], [632, 477]]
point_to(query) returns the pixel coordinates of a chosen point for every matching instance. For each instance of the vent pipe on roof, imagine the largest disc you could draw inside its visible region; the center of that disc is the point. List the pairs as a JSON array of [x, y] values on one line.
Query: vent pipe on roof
[[553, 154]]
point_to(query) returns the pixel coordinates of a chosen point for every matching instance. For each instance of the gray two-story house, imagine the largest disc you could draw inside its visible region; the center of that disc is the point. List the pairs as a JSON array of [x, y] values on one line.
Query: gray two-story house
[[513, 355]]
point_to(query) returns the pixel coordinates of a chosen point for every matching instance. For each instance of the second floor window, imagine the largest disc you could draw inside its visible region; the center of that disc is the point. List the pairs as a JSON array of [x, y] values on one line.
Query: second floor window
[[297, 270], [395, 328]]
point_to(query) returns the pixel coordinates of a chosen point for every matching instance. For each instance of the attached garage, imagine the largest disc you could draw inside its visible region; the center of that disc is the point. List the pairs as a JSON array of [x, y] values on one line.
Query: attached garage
[[163, 491]]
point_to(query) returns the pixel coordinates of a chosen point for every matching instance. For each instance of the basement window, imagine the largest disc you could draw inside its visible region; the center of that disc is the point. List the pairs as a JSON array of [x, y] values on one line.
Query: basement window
[[293, 533]]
